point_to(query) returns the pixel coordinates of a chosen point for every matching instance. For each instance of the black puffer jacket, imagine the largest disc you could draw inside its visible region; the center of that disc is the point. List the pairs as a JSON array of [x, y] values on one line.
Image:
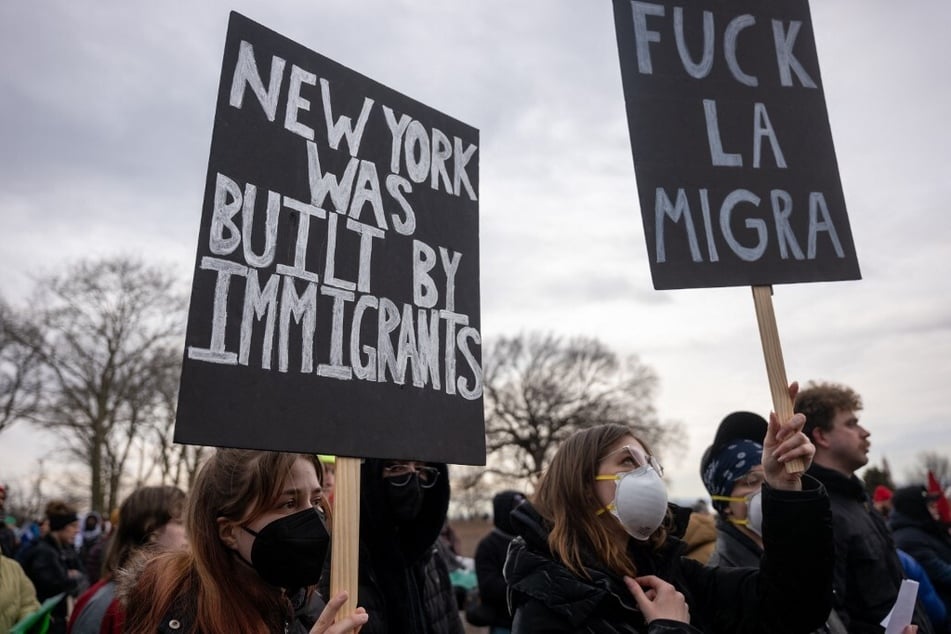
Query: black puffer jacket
[[867, 570], [791, 592], [923, 537], [403, 582]]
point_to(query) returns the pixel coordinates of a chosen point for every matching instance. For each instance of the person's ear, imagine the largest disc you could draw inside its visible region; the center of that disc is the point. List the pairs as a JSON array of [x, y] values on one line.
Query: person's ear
[[819, 438], [227, 532]]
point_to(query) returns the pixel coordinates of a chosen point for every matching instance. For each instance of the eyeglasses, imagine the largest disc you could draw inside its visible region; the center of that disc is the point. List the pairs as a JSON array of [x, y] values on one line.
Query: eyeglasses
[[400, 473], [638, 458], [753, 480]]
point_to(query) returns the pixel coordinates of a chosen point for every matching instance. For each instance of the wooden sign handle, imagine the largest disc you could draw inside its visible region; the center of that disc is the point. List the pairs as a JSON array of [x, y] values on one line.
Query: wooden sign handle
[[775, 368], [344, 559]]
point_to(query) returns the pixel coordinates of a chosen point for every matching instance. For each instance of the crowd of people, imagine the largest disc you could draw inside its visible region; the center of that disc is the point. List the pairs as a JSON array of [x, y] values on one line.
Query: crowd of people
[[596, 548]]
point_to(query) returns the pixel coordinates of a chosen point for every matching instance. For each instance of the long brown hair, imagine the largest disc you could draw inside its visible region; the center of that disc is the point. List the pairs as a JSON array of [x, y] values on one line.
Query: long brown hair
[[146, 510], [567, 498], [209, 581]]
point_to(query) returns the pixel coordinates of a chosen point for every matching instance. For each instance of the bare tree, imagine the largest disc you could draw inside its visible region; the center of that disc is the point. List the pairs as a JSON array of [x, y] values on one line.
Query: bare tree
[[931, 461], [177, 464], [18, 370], [103, 334], [540, 388]]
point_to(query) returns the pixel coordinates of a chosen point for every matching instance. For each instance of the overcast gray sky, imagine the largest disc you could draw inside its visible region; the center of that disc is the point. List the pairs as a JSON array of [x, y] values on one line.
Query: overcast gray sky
[[107, 110]]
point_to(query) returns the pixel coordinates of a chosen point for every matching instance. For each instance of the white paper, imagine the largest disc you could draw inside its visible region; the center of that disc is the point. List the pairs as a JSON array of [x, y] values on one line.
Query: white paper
[[900, 615]]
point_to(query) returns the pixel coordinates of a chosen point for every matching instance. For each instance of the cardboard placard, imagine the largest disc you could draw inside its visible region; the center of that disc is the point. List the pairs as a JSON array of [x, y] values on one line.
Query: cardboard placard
[[736, 171], [335, 302]]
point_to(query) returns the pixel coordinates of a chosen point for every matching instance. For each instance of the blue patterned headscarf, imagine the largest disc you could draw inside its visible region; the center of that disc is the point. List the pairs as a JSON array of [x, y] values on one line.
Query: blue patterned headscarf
[[731, 463]]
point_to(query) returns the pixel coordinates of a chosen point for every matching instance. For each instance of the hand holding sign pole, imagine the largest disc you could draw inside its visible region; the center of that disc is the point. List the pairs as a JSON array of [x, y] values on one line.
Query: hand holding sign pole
[[775, 368], [736, 170], [335, 302]]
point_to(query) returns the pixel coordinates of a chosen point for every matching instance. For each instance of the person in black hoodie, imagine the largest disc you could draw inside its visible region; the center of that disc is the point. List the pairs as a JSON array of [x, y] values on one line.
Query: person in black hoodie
[[403, 582], [53, 564], [489, 560], [917, 531], [597, 550], [868, 572]]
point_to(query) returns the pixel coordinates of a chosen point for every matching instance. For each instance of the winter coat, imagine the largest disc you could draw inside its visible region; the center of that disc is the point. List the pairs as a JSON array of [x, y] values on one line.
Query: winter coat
[[734, 548], [17, 596], [701, 537], [790, 592], [867, 570], [922, 537], [403, 582], [932, 603], [302, 613], [490, 559], [97, 610], [48, 565]]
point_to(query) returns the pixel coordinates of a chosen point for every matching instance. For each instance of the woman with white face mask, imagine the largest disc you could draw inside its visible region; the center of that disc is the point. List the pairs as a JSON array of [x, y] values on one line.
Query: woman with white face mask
[[598, 551]]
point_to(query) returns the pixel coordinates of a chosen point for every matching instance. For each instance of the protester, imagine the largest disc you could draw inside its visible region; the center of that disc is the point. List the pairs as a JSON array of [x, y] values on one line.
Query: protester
[[918, 531], [150, 518], [867, 570], [8, 537], [89, 536], [403, 582], [53, 564], [329, 463], [257, 541], [882, 500], [597, 549], [94, 558], [700, 535], [490, 553], [36, 531], [732, 471], [17, 595]]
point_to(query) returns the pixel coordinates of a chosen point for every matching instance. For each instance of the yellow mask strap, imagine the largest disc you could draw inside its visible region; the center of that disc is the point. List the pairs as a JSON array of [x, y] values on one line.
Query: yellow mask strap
[[609, 507], [727, 498]]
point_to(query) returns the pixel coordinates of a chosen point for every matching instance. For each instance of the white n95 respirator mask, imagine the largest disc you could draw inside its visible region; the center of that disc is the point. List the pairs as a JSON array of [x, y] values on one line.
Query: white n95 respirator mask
[[754, 510], [640, 502]]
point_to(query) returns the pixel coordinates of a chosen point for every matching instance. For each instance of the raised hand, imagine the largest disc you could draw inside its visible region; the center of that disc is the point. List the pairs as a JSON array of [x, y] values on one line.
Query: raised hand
[[784, 442]]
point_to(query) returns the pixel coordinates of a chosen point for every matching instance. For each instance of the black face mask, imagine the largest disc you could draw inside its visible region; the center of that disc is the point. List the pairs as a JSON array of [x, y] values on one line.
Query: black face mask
[[289, 552], [406, 501]]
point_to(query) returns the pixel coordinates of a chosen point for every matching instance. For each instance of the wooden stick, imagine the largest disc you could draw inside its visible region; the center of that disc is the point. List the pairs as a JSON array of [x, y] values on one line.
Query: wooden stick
[[775, 368], [344, 560]]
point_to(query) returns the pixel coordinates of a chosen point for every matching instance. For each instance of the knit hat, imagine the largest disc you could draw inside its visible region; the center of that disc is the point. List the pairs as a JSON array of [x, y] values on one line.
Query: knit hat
[[59, 521], [881, 494]]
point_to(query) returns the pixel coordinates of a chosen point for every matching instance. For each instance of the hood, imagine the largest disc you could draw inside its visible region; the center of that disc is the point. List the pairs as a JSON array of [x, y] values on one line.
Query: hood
[[502, 506], [378, 526], [910, 506], [91, 534]]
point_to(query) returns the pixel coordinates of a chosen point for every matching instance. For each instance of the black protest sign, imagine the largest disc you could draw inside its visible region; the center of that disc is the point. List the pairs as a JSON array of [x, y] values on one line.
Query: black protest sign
[[736, 170], [335, 303]]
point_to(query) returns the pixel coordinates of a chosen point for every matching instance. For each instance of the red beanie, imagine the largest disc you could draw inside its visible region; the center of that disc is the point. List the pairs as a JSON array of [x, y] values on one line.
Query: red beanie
[[882, 494]]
